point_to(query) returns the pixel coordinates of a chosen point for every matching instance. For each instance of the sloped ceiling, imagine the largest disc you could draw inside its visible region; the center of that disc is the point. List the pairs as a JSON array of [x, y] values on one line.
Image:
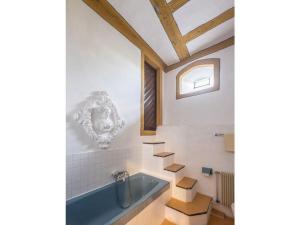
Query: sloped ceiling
[[141, 15]]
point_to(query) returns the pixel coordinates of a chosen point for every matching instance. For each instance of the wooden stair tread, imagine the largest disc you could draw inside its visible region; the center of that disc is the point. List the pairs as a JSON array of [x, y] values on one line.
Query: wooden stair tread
[[167, 222], [154, 142], [164, 154], [198, 206], [217, 213], [186, 183], [174, 167], [213, 220]]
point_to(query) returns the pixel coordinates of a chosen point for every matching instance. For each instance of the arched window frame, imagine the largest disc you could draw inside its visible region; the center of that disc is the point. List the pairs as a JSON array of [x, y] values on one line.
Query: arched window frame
[[194, 65]]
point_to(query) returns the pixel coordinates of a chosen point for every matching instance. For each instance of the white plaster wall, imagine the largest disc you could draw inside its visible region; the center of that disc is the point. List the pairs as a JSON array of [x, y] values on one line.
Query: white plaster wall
[[189, 124], [100, 58]]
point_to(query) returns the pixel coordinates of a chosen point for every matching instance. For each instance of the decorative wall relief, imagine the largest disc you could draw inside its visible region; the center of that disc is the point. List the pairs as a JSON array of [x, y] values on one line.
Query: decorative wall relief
[[100, 119]]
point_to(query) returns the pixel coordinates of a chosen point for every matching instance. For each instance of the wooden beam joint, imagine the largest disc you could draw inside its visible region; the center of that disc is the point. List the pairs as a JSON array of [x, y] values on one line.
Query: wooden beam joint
[[176, 4], [214, 48], [168, 22]]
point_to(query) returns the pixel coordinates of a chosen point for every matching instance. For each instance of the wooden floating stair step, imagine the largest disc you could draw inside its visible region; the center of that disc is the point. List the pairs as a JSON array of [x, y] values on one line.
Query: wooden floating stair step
[[216, 220], [174, 167], [217, 213], [199, 205], [186, 183], [167, 222], [164, 154], [154, 142]]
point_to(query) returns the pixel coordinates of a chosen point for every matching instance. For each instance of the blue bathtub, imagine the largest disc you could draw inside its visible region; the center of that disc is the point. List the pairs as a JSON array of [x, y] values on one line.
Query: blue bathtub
[[102, 206]]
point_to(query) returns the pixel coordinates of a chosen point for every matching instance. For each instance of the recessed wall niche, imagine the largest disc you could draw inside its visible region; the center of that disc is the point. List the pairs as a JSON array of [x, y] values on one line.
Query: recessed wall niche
[[199, 77]]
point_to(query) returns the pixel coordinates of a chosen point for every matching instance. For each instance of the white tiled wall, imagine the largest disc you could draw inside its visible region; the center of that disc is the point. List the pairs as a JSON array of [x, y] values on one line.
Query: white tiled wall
[[197, 147], [98, 63], [90, 170]]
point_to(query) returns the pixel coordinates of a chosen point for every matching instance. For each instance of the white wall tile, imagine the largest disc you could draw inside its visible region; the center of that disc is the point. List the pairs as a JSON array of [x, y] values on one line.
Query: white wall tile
[[88, 171]]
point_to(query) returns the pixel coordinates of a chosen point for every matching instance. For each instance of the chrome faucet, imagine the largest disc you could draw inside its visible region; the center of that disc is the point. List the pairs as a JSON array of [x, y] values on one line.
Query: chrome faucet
[[120, 175]]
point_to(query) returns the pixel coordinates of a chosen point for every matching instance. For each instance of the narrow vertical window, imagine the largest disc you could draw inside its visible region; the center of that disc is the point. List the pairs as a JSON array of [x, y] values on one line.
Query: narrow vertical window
[[151, 96]]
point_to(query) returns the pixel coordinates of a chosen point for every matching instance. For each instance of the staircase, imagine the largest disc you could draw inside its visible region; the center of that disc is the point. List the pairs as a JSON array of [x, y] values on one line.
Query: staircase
[[187, 206]]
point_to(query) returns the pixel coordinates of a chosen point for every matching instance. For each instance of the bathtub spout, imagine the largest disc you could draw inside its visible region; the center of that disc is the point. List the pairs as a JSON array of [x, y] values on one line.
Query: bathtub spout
[[120, 175]]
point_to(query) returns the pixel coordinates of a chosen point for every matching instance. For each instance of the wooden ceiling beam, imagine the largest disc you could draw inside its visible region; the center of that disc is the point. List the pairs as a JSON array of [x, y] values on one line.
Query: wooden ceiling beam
[[217, 47], [104, 9], [167, 20], [223, 17], [176, 4]]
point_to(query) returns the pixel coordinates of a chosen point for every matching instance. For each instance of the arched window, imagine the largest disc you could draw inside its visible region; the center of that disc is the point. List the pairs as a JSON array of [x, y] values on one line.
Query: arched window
[[197, 78]]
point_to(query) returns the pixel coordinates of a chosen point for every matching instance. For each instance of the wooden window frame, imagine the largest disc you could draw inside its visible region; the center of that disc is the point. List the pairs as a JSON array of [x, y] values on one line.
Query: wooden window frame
[[159, 74], [194, 65]]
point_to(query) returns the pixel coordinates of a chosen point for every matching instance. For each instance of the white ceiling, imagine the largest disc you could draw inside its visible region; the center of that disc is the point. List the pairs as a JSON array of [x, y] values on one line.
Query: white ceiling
[[197, 12], [214, 36], [142, 17]]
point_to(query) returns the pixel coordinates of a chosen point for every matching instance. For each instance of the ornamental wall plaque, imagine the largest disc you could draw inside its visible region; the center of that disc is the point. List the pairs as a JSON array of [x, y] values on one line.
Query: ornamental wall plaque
[[100, 119]]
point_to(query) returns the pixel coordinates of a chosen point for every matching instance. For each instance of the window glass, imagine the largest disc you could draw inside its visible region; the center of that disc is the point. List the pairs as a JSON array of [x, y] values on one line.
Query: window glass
[[199, 78]]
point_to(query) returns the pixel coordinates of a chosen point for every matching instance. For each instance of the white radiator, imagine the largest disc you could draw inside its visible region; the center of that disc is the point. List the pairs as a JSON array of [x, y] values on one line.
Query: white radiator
[[226, 188]]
